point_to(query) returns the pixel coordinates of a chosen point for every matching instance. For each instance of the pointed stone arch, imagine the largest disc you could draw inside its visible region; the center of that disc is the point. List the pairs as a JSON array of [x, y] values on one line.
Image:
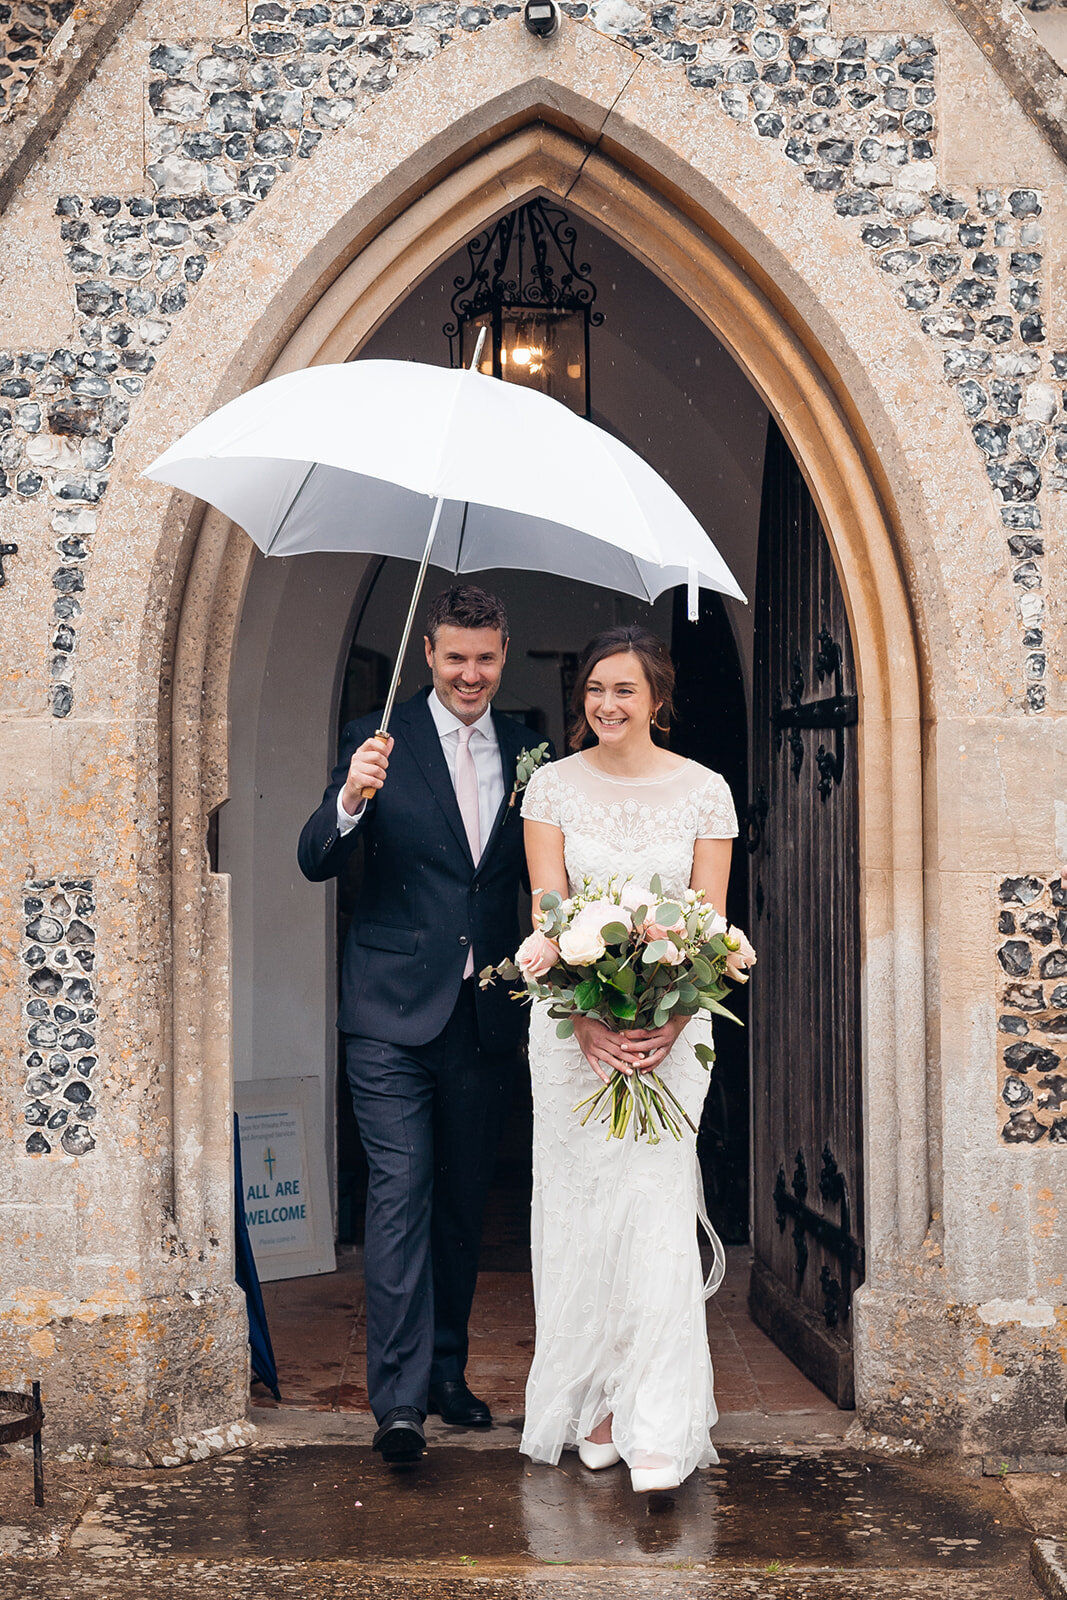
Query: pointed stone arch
[[308, 293]]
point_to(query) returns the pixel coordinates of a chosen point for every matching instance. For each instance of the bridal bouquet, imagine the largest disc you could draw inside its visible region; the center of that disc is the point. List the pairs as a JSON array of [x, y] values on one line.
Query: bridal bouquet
[[631, 958]]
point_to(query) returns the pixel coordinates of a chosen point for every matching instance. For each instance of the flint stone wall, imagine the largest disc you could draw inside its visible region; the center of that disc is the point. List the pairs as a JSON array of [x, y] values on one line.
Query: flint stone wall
[[852, 119]]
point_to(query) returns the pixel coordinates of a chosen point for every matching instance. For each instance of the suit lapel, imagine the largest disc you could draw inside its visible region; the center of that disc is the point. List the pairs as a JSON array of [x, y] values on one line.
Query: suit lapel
[[424, 742]]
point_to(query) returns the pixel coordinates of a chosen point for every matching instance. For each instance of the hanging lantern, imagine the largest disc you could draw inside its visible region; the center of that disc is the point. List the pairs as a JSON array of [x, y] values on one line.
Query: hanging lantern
[[535, 301]]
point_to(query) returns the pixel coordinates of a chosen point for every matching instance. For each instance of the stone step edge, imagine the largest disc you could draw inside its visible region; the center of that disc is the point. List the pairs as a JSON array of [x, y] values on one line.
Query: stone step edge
[[1048, 1566]]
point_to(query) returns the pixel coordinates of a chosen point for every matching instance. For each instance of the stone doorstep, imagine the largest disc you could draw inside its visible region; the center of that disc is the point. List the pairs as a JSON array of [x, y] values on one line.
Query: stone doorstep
[[163, 1579], [1048, 1566], [820, 1430]]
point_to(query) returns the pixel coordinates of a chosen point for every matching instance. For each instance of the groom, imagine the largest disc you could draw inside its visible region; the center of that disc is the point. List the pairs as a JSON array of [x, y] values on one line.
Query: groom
[[429, 1055]]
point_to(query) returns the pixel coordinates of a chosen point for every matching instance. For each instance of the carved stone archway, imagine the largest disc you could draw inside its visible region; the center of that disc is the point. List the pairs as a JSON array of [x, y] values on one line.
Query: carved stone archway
[[703, 264]]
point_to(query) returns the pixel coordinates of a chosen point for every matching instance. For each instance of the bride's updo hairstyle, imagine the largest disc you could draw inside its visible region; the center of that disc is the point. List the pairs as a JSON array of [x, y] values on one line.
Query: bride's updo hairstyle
[[655, 662]]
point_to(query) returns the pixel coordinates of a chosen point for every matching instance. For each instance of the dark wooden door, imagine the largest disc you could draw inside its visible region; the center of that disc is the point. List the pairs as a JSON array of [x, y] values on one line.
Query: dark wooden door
[[803, 838]]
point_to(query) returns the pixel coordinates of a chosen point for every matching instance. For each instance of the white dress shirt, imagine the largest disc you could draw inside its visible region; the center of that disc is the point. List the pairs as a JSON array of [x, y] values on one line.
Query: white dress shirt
[[485, 753]]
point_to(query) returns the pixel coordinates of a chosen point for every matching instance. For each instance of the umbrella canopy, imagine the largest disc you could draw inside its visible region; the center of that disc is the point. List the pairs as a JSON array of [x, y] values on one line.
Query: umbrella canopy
[[346, 457]]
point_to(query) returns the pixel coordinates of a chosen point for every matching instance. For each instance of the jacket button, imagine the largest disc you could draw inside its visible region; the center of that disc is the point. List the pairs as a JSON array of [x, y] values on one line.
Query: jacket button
[[463, 939]]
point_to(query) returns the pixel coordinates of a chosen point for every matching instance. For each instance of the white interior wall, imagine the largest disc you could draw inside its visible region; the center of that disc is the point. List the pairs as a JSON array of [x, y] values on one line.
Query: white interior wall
[[294, 625]]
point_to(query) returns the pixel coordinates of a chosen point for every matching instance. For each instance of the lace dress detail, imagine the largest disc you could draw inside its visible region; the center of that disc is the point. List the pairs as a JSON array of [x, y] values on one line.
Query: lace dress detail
[[616, 1267]]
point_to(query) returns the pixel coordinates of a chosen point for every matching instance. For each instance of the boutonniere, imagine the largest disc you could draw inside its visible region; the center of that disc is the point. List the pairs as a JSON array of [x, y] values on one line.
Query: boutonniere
[[525, 767]]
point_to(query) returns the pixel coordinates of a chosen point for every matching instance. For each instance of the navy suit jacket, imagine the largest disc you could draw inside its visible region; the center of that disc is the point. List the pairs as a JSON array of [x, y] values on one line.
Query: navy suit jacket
[[423, 901]]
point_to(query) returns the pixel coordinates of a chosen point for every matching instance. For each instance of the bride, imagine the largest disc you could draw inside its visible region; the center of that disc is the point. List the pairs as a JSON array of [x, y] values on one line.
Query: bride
[[621, 1365]]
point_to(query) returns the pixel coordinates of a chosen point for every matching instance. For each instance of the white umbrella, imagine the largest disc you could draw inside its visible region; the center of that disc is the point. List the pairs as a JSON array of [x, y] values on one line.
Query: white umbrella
[[345, 457]]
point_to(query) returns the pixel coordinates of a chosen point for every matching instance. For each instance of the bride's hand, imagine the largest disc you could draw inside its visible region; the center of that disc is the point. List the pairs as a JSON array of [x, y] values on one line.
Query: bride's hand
[[648, 1048], [601, 1047]]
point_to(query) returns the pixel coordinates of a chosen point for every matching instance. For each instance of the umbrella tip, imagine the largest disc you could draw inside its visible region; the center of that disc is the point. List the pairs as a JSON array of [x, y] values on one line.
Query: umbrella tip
[[478, 348]]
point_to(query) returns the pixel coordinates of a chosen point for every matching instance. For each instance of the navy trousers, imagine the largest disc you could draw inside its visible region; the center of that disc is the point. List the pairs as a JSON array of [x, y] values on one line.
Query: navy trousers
[[429, 1118]]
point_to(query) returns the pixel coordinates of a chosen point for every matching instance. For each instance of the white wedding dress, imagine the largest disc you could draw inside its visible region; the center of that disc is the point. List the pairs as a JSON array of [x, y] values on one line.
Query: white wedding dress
[[617, 1277]]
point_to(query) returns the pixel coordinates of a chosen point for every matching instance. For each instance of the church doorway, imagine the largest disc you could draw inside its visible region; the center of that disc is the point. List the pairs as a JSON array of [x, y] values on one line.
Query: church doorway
[[785, 1093]]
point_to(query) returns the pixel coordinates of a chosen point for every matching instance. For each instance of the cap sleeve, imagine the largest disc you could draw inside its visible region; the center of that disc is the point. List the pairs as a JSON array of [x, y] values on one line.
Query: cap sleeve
[[540, 799], [718, 819]]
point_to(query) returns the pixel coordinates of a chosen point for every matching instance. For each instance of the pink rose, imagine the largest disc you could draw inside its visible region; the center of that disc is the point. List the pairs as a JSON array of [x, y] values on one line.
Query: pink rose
[[741, 957], [660, 930], [536, 954]]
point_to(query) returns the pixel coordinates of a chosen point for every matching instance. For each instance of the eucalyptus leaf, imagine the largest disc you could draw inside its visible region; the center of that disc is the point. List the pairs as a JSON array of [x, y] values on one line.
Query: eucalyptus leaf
[[704, 1054], [654, 952], [565, 1028], [668, 912], [615, 933]]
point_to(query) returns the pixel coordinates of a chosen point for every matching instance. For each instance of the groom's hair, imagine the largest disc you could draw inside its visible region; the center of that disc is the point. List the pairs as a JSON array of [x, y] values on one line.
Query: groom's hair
[[466, 606]]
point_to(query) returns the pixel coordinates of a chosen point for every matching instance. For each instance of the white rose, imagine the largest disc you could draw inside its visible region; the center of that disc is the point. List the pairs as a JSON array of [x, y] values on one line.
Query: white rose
[[673, 956], [633, 896], [581, 946], [597, 914]]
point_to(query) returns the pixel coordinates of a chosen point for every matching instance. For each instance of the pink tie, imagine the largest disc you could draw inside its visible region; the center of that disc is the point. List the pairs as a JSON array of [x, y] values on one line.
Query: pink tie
[[467, 796]]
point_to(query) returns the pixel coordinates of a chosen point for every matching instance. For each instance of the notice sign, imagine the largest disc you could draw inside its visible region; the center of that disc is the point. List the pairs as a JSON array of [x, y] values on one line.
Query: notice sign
[[283, 1167]]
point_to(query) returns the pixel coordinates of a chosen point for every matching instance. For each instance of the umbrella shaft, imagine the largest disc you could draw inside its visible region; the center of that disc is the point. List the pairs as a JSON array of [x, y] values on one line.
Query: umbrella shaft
[[406, 635]]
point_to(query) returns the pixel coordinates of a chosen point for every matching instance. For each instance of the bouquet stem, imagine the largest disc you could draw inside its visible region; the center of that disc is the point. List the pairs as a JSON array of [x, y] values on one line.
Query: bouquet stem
[[640, 1100]]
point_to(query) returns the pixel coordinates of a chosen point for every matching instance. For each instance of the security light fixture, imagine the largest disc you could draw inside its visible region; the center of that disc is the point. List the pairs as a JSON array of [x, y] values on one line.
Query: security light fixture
[[541, 18]]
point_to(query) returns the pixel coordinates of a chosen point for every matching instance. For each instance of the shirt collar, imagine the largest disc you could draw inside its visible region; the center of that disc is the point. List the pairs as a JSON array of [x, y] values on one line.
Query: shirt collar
[[447, 722]]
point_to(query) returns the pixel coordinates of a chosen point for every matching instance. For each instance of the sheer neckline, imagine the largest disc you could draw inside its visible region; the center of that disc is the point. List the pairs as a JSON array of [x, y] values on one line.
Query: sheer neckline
[[633, 783]]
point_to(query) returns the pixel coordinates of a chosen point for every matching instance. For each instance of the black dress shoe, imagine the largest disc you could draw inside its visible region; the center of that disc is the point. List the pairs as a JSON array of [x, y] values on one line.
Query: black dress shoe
[[400, 1437], [453, 1402]]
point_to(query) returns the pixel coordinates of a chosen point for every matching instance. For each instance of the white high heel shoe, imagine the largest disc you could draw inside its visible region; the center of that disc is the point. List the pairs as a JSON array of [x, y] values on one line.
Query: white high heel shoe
[[597, 1456], [644, 1480]]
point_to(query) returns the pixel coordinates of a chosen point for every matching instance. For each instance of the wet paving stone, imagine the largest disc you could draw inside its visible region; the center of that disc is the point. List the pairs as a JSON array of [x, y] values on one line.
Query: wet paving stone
[[497, 1511]]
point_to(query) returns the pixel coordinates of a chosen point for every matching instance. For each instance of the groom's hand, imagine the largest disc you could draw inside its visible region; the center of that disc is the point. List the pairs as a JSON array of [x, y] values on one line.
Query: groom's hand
[[366, 770]]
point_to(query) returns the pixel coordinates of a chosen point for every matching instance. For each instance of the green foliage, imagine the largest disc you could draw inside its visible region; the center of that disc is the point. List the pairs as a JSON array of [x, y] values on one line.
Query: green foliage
[[615, 933], [623, 1008], [587, 995], [528, 763], [565, 1028]]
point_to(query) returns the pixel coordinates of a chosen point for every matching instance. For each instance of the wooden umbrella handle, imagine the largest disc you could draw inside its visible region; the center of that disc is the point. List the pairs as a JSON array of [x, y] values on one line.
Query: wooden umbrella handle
[[383, 739]]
